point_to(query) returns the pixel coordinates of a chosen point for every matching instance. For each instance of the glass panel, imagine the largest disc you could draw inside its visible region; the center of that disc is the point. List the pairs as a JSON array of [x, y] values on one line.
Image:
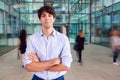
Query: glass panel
[[74, 18], [75, 27], [79, 8], [109, 9], [73, 1], [98, 13], [116, 7], [115, 1], [61, 8], [61, 18], [2, 30], [31, 7], [116, 19], [3, 37], [107, 3]]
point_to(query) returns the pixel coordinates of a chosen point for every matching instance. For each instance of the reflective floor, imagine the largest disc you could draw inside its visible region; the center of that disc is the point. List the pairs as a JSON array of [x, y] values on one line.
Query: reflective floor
[[97, 65]]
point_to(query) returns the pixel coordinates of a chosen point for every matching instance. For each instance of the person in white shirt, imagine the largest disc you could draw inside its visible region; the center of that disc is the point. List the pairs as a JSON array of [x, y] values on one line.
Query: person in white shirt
[[48, 53]]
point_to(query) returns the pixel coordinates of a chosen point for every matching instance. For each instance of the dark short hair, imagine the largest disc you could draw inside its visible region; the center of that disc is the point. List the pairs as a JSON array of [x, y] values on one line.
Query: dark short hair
[[48, 9]]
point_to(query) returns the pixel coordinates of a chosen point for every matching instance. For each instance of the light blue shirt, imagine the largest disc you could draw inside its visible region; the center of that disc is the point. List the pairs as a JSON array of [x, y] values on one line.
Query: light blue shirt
[[57, 45]]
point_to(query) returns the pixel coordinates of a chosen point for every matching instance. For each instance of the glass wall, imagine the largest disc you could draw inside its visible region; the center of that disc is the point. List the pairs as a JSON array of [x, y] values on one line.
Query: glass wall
[[9, 26], [105, 17], [71, 14], [95, 17], [79, 19], [3, 39]]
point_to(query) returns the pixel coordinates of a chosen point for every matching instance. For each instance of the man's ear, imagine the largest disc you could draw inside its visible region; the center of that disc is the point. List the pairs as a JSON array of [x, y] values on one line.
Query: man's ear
[[40, 20], [54, 18]]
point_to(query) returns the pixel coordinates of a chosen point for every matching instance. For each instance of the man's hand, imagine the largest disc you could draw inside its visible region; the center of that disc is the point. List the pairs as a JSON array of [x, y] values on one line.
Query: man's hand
[[33, 57], [57, 61], [38, 65]]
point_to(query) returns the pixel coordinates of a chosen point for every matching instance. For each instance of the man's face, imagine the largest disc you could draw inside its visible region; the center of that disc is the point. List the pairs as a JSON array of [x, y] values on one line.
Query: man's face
[[47, 20]]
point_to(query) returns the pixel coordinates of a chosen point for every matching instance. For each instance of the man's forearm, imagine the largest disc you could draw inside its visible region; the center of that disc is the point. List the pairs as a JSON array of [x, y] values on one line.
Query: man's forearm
[[39, 66], [58, 67]]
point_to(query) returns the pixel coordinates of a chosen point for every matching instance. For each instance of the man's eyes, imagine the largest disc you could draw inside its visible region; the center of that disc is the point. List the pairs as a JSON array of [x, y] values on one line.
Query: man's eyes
[[46, 15]]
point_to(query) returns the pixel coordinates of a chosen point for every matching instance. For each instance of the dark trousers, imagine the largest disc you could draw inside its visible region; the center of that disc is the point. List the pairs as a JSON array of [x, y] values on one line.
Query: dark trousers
[[37, 78], [115, 55], [80, 56]]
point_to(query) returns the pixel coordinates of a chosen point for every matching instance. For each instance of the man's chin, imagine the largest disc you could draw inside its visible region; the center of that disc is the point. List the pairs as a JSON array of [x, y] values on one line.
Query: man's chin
[[47, 27]]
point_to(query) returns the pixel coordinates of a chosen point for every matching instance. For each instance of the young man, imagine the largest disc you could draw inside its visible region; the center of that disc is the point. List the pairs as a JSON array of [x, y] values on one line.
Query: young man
[[48, 53]]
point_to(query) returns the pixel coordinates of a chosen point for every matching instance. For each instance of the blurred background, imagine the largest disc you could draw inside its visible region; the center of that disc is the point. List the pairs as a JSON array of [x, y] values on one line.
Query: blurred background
[[95, 17]]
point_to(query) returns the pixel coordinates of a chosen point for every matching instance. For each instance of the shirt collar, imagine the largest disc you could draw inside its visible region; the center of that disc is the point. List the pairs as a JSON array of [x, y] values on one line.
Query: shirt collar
[[53, 34]]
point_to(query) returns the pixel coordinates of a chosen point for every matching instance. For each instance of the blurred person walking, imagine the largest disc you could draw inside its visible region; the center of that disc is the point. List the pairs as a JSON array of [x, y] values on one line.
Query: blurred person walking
[[115, 44], [80, 39], [22, 39]]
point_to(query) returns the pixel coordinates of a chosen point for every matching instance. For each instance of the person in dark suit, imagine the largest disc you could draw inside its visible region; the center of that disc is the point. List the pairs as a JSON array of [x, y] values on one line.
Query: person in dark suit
[[80, 40]]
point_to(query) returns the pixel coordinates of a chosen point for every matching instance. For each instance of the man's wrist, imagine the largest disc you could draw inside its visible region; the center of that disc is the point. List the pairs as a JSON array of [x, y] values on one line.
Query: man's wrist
[[55, 62]]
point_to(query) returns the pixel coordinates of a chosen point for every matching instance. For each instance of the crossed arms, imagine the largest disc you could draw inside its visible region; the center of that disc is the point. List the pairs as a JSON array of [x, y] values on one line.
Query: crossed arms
[[50, 65]]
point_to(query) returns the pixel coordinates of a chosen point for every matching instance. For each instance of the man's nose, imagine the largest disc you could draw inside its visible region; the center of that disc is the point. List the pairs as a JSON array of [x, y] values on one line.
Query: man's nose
[[47, 17]]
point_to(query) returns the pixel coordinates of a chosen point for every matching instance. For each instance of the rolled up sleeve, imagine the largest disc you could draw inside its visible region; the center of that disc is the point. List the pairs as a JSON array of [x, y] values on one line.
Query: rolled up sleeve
[[66, 53], [30, 48]]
